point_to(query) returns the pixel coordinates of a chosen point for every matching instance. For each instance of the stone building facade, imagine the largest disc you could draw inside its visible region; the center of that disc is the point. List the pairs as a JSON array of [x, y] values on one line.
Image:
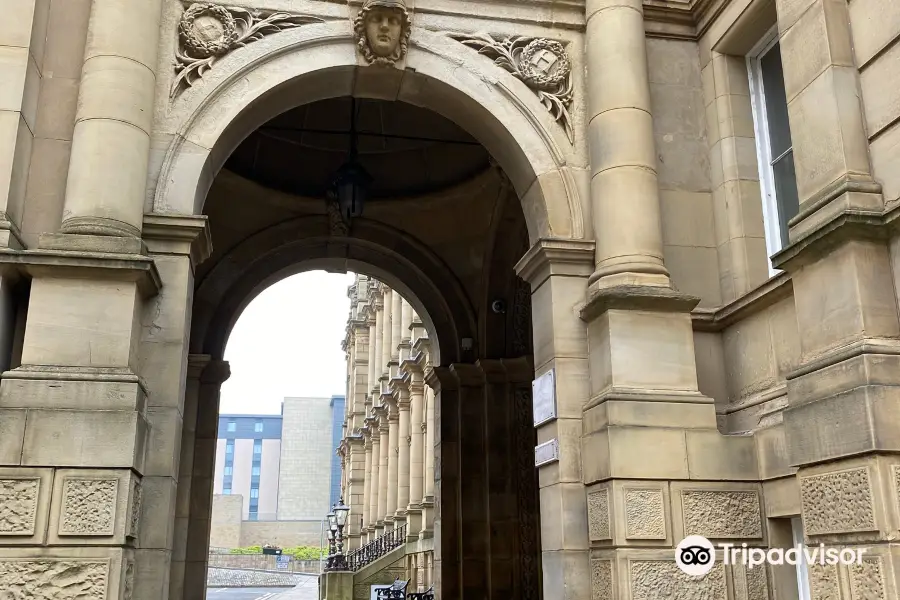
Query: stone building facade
[[696, 236]]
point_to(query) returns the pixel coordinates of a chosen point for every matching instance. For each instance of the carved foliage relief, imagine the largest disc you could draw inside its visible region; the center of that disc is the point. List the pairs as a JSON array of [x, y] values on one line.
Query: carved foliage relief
[[541, 64], [663, 580], [823, 582], [598, 515], [18, 506], [206, 32], [722, 514], [134, 519], [644, 515], [837, 502], [54, 579], [88, 507]]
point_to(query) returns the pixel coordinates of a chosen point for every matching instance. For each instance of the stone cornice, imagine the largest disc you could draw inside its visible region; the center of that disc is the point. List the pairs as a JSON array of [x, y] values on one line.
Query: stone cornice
[[178, 234], [76, 264]]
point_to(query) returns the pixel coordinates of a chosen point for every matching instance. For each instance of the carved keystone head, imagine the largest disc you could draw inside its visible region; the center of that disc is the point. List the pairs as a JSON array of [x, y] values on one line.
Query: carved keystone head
[[382, 30]]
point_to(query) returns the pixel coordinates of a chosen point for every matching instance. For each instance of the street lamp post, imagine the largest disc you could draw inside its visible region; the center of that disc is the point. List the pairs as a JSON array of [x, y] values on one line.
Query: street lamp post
[[340, 520], [331, 531]]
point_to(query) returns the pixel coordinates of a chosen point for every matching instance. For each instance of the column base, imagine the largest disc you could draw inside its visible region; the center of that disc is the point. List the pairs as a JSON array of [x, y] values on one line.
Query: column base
[[413, 522]]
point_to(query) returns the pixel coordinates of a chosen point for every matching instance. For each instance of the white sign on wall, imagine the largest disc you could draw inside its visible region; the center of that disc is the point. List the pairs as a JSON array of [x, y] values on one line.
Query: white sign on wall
[[375, 589], [543, 397], [546, 453]]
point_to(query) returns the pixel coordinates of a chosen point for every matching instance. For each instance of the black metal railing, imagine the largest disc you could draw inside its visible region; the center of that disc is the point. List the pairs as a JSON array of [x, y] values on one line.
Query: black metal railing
[[426, 595], [377, 548]]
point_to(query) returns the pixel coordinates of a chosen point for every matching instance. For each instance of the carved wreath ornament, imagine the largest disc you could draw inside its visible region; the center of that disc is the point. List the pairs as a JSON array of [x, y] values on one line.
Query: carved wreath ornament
[[207, 32], [539, 63]]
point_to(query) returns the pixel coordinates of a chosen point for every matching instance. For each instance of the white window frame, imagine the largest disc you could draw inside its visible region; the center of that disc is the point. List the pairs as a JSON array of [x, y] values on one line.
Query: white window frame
[[763, 153], [802, 566]]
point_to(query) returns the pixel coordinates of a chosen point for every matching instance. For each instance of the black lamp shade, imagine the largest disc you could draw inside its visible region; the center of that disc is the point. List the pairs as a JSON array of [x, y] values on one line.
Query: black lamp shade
[[332, 520], [351, 186]]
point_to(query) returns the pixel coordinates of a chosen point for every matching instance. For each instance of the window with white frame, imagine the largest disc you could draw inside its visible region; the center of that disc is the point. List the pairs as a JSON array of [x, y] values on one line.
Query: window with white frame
[[774, 148], [802, 566]]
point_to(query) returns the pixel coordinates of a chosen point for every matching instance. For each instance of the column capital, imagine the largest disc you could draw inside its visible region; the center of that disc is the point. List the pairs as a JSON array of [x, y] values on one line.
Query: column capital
[[548, 257], [178, 234], [196, 363], [440, 378], [468, 375], [636, 297], [217, 371]]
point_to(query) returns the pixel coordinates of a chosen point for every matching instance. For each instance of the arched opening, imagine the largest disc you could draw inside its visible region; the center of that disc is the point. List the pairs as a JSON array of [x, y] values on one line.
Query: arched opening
[[444, 228]]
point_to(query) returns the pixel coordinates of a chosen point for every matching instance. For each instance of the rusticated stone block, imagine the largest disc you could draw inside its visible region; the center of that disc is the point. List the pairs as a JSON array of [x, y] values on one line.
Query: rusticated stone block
[[730, 514], [601, 580], [598, 515], [645, 517], [837, 502], [61, 579], [89, 507], [18, 505], [663, 580]]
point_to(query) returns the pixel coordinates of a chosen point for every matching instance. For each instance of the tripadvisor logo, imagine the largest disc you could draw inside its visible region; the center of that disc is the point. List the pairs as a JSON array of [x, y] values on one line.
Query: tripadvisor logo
[[696, 555]]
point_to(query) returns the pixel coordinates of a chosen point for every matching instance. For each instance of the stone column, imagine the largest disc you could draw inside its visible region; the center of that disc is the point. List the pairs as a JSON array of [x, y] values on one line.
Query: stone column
[[374, 352], [393, 461], [107, 177], [367, 486], [203, 478], [396, 328], [384, 429], [403, 441], [376, 365], [196, 364], [405, 330], [354, 478], [446, 529], [375, 486], [429, 477], [416, 446], [387, 336], [624, 189]]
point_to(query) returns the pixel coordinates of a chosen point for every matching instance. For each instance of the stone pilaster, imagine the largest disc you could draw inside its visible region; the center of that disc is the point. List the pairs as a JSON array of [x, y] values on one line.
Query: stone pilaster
[[624, 187], [396, 328], [375, 365], [386, 338], [367, 486]]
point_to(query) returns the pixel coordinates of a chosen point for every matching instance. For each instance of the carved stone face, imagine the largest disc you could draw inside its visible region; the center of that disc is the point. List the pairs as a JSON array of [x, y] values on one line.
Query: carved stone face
[[383, 29]]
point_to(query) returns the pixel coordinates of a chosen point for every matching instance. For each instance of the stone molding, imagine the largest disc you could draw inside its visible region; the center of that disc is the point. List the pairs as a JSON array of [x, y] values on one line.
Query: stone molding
[[636, 297], [179, 234], [551, 256]]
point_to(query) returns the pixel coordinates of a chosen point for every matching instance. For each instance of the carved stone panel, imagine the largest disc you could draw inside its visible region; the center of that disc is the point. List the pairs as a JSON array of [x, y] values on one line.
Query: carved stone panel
[[838, 502], [598, 515], [18, 505], [750, 584], [88, 507], [823, 582], [728, 514], [601, 580], [895, 471], [128, 581], [135, 516], [867, 580], [663, 580], [60, 579], [644, 514]]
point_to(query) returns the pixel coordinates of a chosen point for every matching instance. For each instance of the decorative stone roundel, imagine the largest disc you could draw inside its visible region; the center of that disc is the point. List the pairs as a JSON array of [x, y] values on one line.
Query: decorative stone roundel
[[207, 30], [544, 64]]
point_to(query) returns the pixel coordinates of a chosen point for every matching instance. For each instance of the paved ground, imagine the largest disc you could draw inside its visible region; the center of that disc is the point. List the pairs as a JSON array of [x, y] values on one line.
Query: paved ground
[[308, 590]]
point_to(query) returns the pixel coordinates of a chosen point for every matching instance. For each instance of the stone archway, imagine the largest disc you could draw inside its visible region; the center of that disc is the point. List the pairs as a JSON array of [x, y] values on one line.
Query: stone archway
[[317, 62]]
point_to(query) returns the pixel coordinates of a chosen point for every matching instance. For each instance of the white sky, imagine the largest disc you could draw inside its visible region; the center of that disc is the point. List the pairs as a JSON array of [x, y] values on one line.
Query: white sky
[[287, 342]]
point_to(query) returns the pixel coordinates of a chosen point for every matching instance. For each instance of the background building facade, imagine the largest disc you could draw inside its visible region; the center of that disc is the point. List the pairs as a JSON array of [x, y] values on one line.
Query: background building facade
[[283, 466]]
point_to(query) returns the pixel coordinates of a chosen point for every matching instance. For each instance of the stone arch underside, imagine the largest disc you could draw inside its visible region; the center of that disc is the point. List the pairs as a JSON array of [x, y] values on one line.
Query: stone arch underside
[[304, 244], [254, 84]]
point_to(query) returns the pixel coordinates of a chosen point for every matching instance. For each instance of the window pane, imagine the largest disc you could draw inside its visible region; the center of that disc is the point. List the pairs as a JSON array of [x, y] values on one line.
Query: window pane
[[229, 449], [256, 470], [258, 427], [232, 426], [785, 193], [226, 491], [776, 101], [254, 493]]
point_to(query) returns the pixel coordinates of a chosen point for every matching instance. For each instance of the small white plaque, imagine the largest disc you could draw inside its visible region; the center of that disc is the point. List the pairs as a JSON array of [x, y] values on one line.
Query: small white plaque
[[546, 453], [543, 397], [375, 589]]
